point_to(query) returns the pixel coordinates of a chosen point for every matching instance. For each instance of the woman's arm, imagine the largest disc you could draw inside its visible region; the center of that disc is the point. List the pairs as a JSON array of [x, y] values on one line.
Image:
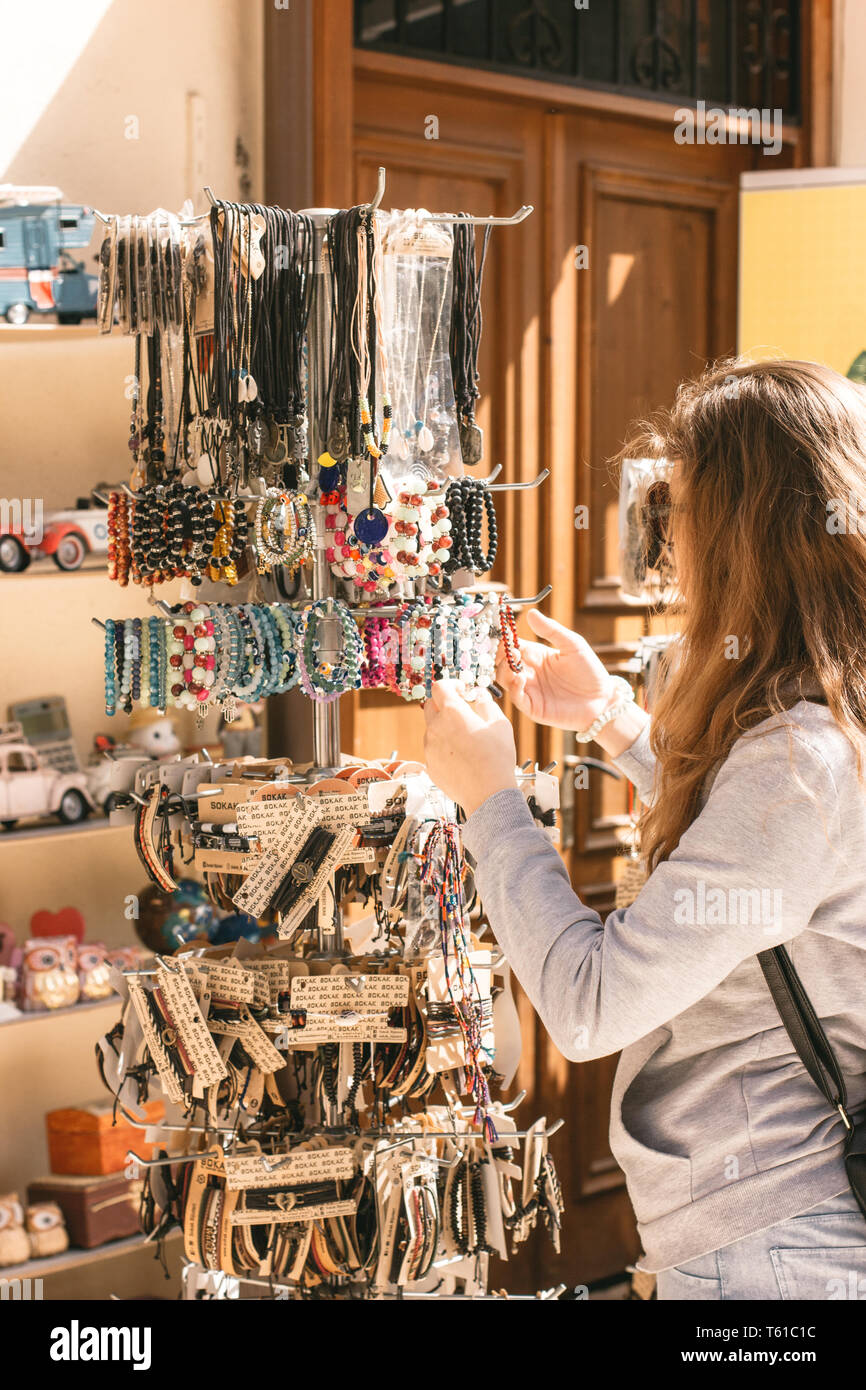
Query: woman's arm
[[626, 739], [747, 875]]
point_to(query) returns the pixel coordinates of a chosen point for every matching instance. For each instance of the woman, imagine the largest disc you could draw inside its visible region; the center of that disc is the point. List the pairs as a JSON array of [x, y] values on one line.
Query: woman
[[755, 835]]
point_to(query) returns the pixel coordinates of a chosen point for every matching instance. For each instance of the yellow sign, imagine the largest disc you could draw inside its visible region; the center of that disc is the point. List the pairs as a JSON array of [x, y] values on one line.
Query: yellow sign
[[803, 267]]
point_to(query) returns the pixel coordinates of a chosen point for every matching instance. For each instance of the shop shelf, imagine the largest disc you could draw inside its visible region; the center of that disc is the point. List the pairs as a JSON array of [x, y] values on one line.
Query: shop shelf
[[92, 826], [53, 1264], [45, 1015]]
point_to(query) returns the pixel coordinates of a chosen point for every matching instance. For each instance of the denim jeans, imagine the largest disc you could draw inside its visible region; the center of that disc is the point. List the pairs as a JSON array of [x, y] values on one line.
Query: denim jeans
[[818, 1255]]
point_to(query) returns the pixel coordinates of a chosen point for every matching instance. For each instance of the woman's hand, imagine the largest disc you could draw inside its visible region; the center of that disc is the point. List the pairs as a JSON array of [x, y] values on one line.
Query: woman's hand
[[564, 685], [469, 747]]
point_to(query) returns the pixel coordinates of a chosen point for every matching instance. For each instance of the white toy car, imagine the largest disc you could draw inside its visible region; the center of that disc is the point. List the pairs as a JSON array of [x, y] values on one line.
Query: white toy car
[[29, 787], [107, 777]]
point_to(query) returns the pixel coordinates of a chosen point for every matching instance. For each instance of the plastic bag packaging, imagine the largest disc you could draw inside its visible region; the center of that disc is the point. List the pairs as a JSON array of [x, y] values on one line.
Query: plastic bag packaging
[[416, 309], [646, 560]]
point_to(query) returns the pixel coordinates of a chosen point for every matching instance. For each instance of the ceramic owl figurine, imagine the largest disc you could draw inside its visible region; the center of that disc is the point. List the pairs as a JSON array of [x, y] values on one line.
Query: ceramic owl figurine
[[14, 1241], [46, 1229], [49, 973], [94, 971]]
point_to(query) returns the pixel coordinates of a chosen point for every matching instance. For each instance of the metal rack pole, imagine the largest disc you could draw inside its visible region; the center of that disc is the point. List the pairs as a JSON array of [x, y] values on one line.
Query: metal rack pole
[[326, 717]]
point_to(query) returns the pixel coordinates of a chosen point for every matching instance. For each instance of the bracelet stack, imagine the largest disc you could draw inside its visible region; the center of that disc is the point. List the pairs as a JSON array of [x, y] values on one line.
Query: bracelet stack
[[207, 654]]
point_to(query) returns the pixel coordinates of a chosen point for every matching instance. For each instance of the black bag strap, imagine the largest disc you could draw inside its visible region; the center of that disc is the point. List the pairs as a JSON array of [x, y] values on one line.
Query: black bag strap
[[804, 1028]]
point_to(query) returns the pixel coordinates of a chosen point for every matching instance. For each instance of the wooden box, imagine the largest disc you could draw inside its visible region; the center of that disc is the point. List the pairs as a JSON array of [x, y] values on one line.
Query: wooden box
[[85, 1142], [96, 1210]]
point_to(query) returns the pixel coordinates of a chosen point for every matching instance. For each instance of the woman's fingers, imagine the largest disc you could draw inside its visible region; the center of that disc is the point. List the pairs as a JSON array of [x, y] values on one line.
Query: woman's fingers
[[512, 682], [554, 632]]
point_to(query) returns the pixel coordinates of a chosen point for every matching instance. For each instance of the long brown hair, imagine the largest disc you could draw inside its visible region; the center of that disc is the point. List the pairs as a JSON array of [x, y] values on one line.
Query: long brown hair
[[771, 560]]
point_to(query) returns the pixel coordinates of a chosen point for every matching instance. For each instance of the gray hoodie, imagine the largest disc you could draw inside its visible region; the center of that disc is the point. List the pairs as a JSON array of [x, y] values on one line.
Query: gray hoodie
[[715, 1122]]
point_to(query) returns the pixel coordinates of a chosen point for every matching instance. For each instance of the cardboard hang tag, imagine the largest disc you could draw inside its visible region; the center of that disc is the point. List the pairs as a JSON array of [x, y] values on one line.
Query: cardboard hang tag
[[170, 1084], [330, 1164], [208, 1066], [339, 1011], [220, 805], [256, 1042], [360, 994], [223, 979], [298, 819], [290, 1214], [225, 861], [333, 859]]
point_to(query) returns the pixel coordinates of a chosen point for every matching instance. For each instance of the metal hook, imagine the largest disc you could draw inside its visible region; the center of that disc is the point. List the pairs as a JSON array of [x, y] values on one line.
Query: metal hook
[[210, 197], [505, 1106], [536, 598], [96, 622], [519, 216], [380, 191], [495, 474], [519, 487]]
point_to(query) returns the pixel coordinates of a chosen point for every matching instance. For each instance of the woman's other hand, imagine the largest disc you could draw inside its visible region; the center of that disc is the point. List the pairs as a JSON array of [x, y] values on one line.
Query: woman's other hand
[[468, 747], [564, 685]]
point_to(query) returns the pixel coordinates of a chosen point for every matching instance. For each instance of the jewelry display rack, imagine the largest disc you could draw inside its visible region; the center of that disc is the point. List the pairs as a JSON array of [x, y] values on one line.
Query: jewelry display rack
[[199, 1282]]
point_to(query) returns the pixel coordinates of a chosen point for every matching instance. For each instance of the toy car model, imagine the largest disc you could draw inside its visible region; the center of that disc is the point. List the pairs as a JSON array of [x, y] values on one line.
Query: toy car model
[[28, 787], [66, 536], [44, 256], [109, 780]]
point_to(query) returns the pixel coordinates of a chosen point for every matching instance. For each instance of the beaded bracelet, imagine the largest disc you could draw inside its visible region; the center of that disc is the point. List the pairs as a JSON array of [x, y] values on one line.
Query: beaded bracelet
[[202, 672], [416, 675], [508, 633], [467, 500], [321, 680], [110, 681], [118, 526], [267, 553], [373, 669], [625, 695], [156, 668], [126, 667], [252, 672], [144, 684], [232, 645], [273, 651], [283, 618], [180, 648], [135, 660], [227, 648]]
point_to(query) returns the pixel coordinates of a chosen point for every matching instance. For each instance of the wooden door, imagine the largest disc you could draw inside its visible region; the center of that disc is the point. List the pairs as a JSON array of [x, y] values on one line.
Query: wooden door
[[570, 357]]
